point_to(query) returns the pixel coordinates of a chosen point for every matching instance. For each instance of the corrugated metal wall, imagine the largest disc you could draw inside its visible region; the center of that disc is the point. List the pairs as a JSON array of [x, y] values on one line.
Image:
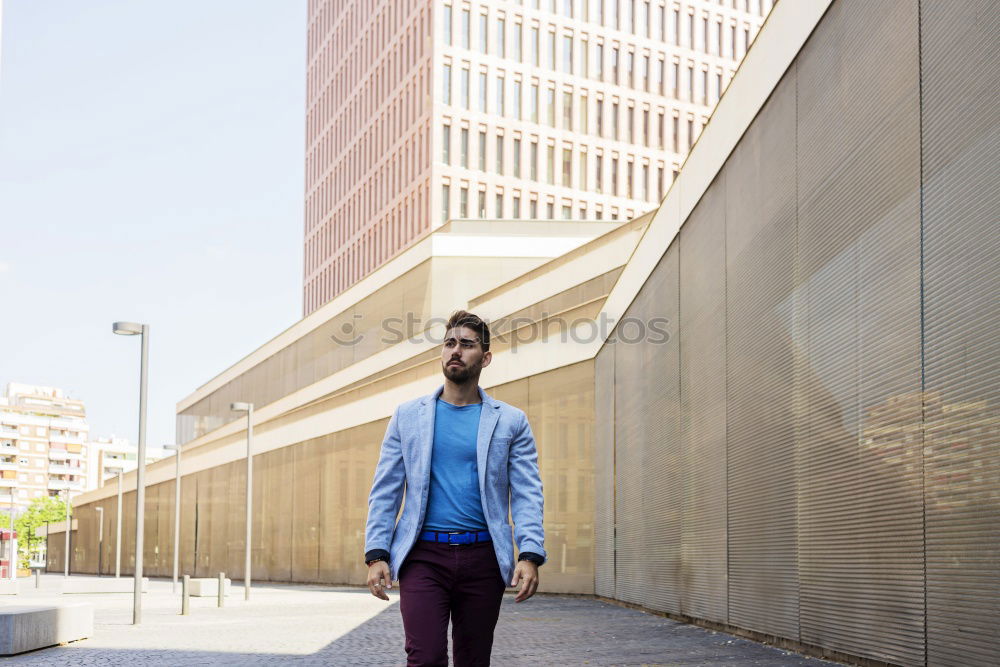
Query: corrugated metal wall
[[814, 453], [960, 62]]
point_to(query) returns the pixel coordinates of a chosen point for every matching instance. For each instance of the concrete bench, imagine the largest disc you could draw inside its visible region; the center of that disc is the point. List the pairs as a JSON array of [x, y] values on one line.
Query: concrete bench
[[26, 628], [207, 587], [8, 587], [81, 585]]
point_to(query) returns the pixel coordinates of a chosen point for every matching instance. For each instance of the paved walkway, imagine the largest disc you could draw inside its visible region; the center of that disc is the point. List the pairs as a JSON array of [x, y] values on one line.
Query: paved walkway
[[317, 625]]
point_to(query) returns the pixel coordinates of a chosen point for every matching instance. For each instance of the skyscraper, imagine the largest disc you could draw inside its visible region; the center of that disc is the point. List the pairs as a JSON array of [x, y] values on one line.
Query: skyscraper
[[422, 111]]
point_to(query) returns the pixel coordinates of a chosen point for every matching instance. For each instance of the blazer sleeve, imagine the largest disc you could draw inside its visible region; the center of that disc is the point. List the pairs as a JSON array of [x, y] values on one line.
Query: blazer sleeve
[[387, 489], [526, 500]]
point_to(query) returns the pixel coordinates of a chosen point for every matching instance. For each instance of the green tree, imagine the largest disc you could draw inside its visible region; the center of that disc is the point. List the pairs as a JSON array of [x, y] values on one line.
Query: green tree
[[29, 538]]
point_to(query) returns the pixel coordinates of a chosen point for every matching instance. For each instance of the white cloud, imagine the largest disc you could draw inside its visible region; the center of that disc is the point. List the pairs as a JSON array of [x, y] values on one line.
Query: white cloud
[[4, 267]]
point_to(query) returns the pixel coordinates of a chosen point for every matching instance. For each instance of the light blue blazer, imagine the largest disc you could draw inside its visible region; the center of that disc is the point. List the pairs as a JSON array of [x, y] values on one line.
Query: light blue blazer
[[507, 462]]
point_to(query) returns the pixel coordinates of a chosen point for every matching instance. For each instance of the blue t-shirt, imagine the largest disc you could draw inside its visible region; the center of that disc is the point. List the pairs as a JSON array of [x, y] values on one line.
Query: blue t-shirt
[[453, 500]]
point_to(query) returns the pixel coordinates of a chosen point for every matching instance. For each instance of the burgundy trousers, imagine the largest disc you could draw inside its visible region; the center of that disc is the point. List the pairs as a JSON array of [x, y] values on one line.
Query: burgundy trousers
[[461, 581]]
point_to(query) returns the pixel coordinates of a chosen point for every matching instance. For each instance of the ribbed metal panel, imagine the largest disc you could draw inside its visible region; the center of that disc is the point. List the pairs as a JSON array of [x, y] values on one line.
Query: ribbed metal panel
[[649, 495], [760, 274], [961, 148], [858, 310], [703, 406], [604, 472]]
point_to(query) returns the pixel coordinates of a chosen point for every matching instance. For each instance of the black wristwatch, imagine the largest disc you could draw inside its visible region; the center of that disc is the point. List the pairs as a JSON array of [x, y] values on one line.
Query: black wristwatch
[[533, 557]]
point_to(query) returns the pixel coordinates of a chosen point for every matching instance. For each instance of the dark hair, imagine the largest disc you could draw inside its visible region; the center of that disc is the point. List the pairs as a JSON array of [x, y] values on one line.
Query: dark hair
[[463, 318]]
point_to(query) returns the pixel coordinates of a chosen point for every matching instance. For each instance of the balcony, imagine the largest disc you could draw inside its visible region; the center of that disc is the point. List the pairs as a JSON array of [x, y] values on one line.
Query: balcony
[[8, 483], [68, 439], [9, 465], [58, 454], [59, 469], [62, 484]]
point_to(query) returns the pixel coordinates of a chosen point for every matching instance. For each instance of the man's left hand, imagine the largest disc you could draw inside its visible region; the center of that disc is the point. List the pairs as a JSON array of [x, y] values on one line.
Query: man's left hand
[[527, 573]]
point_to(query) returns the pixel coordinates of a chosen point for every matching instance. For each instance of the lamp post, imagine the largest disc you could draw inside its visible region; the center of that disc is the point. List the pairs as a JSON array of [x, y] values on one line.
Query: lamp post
[[118, 528], [100, 539], [68, 527], [132, 329], [248, 408], [177, 509]]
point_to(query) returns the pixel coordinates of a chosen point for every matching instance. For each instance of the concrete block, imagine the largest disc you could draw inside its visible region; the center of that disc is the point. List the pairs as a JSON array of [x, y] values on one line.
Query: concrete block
[[80, 585], [207, 587], [8, 586], [26, 628]]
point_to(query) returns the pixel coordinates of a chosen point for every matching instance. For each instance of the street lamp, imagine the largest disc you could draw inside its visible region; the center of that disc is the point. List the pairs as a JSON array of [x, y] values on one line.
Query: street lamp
[[68, 527], [177, 508], [100, 539], [248, 408], [132, 329], [118, 528]]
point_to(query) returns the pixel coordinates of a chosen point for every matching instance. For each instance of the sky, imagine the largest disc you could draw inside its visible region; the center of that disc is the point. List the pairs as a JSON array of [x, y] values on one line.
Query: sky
[[151, 170]]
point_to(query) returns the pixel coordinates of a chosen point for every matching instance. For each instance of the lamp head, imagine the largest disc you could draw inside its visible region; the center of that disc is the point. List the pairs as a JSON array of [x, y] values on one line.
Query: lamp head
[[127, 328], [241, 407]]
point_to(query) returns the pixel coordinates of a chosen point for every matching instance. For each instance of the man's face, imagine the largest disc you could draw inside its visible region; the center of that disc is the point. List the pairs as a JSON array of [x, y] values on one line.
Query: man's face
[[462, 355]]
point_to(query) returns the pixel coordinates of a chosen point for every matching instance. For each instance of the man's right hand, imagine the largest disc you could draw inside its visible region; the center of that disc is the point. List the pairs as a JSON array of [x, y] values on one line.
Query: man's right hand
[[377, 573]]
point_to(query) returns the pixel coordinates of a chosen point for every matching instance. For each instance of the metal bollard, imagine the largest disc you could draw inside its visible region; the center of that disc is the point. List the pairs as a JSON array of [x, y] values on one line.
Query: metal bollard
[[38, 578], [222, 588], [186, 595]]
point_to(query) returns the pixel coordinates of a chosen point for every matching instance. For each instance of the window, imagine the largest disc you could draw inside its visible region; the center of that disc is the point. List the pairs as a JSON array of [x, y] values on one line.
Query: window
[[465, 28], [464, 147], [581, 172], [446, 19], [614, 66], [660, 129], [704, 86], [732, 42], [675, 80], [482, 204], [499, 159], [499, 206], [630, 112], [583, 113], [446, 143], [534, 46], [567, 212], [660, 77], [500, 96], [567, 157], [690, 31], [704, 34], [446, 83], [482, 92], [550, 103], [645, 73], [533, 210], [551, 164], [644, 182], [676, 131], [567, 111], [659, 183], [676, 20], [599, 115], [517, 47], [644, 17], [482, 150], [501, 38], [718, 38], [483, 34], [599, 62], [690, 95], [629, 169], [465, 87], [552, 50], [516, 207], [517, 100], [584, 57], [533, 167], [718, 86], [599, 173], [645, 127], [614, 176], [517, 159], [567, 8], [534, 103], [630, 67], [463, 203], [658, 27], [690, 133], [567, 54], [550, 211], [614, 121]]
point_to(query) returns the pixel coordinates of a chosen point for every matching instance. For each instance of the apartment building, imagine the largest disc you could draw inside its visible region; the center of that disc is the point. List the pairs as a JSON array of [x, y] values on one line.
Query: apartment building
[[43, 444], [107, 455], [422, 111]]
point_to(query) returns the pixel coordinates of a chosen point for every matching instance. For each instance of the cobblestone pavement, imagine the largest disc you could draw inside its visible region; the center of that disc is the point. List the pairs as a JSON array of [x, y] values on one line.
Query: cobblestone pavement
[[319, 625]]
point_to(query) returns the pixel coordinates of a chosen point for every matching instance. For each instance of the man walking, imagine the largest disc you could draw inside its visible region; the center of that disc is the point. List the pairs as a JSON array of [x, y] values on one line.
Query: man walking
[[456, 454]]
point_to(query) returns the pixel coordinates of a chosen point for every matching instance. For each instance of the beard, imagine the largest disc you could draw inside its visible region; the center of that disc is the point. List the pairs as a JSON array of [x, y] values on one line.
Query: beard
[[461, 374]]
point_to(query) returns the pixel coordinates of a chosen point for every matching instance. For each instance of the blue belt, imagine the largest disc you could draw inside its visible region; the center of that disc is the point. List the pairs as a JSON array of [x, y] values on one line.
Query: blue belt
[[456, 538]]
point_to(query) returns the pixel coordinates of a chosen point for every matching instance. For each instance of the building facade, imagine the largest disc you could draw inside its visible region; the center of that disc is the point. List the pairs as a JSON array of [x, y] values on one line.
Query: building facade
[[43, 444], [106, 456], [429, 110]]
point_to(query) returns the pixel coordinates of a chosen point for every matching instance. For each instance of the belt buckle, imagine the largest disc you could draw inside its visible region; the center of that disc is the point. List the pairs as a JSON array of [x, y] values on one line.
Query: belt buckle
[[453, 533]]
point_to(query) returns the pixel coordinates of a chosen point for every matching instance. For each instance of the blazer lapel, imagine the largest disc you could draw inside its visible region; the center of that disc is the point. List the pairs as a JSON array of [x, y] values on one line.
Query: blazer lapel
[[487, 422]]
